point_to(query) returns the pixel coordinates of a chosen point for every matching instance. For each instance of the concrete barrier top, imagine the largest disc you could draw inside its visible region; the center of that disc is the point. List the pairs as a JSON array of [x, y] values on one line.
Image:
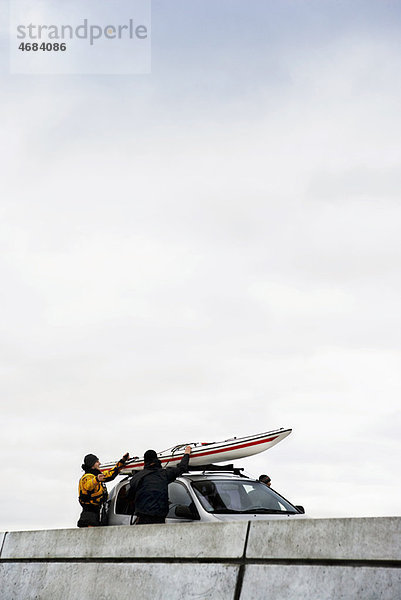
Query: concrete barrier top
[[332, 539], [377, 538], [189, 540]]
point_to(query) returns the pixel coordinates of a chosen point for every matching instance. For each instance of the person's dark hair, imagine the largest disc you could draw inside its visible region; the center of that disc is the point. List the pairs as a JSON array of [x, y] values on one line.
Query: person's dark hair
[[89, 461], [150, 457], [264, 478]]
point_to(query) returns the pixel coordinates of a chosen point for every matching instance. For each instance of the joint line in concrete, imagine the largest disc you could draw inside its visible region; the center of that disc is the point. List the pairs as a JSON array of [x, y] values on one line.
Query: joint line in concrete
[[248, 531], [127, 560], [2, 544], [242, 567], [326, 562], [240, 562]]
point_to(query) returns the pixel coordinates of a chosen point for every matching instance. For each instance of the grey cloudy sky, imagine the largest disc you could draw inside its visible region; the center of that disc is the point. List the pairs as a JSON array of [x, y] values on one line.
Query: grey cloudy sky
[[206, 251]]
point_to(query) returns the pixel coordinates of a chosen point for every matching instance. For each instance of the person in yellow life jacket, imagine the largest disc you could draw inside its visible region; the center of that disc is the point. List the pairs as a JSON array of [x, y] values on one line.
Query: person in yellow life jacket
[[92, 489]]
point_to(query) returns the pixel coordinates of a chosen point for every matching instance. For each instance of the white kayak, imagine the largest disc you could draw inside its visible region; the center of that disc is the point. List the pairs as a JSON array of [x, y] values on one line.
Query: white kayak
[[204, 453]]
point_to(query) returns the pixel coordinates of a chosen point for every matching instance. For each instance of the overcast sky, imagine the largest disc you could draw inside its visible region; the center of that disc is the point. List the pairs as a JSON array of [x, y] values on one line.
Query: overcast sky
[[207, 251]]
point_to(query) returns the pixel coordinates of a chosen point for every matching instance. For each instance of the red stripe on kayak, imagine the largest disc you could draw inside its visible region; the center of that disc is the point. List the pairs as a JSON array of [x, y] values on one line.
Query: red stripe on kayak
[[218, 451], [230, 448]]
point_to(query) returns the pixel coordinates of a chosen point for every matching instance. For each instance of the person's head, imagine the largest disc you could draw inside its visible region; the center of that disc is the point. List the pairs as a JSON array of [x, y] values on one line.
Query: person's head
[[265, 479], [150, 458], [91, 461]]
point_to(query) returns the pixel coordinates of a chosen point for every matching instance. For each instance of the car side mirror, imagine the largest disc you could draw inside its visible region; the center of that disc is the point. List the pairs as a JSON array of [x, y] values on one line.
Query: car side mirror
[[184, 512], [300, 508]]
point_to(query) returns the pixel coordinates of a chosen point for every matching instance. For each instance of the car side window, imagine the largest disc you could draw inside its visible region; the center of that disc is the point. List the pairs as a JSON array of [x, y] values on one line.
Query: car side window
[[123, 505], [178, 495]]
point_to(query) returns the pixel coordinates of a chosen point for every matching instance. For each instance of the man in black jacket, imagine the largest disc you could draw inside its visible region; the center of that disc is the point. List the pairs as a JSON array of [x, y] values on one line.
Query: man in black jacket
[[149, 487]]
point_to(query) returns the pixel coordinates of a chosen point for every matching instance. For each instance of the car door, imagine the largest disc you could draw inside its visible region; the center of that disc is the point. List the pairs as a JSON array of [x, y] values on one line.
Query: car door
[[120, 507], [181, 502]]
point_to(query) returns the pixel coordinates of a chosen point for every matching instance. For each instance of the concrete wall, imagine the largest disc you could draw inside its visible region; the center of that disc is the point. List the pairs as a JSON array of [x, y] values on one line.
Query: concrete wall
[[311, 559]]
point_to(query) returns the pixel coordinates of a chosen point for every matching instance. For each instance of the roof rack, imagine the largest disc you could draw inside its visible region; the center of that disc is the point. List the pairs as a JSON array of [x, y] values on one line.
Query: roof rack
[[221, 468], [208, 468]]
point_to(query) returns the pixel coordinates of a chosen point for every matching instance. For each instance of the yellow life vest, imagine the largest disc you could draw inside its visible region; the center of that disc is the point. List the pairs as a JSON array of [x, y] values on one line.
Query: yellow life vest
[[94, 492]]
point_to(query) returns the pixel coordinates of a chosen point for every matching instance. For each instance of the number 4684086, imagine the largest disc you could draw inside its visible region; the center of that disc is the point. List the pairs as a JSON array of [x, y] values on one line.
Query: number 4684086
[[44, 46]]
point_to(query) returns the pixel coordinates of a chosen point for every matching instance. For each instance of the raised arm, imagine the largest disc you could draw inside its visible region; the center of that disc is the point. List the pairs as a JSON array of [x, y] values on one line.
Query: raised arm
[[111, 474], [174, 472]]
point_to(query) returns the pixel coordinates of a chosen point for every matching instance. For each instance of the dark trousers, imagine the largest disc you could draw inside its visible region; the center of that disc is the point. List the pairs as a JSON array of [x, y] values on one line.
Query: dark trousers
[[89, 518], [148, 520]]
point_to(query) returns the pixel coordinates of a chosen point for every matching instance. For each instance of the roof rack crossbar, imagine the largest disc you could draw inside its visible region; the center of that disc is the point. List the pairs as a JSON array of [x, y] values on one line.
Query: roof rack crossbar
[[222, 468]]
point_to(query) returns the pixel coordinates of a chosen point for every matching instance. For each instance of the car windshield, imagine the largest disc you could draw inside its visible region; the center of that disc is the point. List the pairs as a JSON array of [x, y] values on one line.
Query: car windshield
[[240, 496]]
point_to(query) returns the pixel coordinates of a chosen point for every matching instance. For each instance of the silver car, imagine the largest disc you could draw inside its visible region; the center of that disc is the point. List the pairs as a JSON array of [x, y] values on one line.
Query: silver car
[[209, 496]]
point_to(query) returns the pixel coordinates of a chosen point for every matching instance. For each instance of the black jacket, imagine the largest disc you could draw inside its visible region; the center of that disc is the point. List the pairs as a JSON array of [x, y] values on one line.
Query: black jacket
[[149, 487]]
